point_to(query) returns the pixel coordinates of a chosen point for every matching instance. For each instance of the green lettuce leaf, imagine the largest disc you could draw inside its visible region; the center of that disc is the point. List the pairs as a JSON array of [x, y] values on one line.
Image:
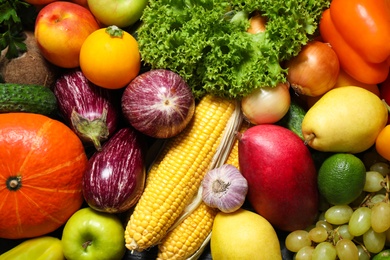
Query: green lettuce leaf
[[205, 41]]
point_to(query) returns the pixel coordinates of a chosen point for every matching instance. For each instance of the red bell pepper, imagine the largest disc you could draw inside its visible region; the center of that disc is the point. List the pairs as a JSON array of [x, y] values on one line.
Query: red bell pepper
[[359, 32]]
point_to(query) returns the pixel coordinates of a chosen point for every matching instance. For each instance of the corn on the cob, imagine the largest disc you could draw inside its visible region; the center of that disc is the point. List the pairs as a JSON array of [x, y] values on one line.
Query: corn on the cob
[[185, 239], [175, 176]]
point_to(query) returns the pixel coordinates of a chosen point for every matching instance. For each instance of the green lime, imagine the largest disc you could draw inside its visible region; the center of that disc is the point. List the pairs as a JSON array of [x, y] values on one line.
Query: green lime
[[341, 178], [383, 255]]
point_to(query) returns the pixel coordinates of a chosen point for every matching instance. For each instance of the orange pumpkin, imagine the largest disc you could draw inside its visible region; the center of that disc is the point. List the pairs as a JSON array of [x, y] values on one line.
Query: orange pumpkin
[[41, 166]]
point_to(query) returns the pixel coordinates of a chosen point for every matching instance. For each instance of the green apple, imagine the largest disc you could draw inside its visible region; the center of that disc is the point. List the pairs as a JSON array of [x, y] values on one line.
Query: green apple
[[122, 13], [93, 235]]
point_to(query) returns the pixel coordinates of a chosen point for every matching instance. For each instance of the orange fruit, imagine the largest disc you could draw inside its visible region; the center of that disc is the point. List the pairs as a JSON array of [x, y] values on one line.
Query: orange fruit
[[110, 58], [382, 143]]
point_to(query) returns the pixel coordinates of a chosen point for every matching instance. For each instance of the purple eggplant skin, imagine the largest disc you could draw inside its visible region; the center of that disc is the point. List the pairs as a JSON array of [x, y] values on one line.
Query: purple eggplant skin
[[115, 176], [92, 112]]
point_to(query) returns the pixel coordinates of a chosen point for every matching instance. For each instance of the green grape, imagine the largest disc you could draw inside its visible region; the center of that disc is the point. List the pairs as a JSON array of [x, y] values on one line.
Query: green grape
[[374, 198], [318, 234], [381, 167], [321, 216], [373, 181], [338, 214], [324, 224], [360, 221], [343, 232], [308, 228], [388, 237], [324, 251], [377, 198], [380, 217], [373, 241], [305, 253], [297, 239], [347, 250], [363, 254]]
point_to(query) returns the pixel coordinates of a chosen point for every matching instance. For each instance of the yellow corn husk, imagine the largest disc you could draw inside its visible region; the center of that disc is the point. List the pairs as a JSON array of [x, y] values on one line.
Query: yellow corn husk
[[188, 237], [175, 176], [233, 155]]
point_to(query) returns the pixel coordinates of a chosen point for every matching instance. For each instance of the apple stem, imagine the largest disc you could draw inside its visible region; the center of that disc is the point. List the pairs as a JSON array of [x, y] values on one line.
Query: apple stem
[[86, 244]]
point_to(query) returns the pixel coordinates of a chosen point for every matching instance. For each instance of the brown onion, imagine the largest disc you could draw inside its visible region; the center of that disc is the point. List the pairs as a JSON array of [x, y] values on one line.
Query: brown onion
[[314, 70], [257, 23]]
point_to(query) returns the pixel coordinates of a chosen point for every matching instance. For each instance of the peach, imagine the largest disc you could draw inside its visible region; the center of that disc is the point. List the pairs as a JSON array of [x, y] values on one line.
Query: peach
[[60, 30]]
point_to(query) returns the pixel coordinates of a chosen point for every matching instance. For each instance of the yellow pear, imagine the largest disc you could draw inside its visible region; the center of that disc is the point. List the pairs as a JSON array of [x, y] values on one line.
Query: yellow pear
[[346, 119], [243, 235]]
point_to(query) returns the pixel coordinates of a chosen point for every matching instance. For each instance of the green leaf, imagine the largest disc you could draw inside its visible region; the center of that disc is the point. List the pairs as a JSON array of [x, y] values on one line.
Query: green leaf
[[8, 14], [20, 45], [198, 40], [3, 41], [11, 27]]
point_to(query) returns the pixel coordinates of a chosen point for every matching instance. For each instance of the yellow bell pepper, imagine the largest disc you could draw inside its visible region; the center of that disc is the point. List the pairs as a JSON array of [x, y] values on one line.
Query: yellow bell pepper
[[39, 248]]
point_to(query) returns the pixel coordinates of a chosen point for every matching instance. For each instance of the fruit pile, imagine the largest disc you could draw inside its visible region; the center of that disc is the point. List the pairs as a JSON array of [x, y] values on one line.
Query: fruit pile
[[355, 230], [157, 130]]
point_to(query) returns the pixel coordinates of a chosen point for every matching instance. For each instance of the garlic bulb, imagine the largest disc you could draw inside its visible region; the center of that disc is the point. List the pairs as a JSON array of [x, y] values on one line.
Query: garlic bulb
[[224, 188]]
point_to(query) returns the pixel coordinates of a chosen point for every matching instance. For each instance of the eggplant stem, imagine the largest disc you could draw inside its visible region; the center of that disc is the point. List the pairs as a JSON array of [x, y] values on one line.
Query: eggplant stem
[[94, 131]]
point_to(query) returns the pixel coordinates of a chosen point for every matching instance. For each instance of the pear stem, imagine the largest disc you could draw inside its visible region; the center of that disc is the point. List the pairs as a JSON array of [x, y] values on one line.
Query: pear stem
[[309, 138], [387, 106]]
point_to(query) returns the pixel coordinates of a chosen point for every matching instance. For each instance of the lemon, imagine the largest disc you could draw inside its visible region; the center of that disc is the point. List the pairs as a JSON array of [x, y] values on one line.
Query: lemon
[[243, 235], [341, 178]]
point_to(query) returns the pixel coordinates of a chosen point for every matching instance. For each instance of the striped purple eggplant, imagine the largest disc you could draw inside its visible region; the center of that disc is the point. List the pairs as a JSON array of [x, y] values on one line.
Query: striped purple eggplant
[[115, 176], [91, 111]]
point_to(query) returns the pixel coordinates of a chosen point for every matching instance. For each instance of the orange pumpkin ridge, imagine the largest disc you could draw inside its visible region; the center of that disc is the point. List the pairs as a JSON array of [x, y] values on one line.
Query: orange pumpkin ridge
[[42, 162]]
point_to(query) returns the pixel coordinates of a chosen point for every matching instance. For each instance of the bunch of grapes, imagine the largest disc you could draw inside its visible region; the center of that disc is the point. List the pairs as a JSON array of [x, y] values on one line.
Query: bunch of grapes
[[355, 231]]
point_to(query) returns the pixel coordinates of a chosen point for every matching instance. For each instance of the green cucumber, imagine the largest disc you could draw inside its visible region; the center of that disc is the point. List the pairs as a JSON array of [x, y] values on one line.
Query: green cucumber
[[293, 118], [27, 98]]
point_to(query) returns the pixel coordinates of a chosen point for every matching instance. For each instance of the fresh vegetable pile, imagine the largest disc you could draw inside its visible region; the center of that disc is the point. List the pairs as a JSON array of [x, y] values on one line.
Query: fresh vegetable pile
[[207, 43], [194, 129]]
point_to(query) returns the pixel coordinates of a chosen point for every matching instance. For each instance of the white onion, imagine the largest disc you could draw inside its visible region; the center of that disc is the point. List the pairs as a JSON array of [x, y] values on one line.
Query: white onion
[[266, 105]]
